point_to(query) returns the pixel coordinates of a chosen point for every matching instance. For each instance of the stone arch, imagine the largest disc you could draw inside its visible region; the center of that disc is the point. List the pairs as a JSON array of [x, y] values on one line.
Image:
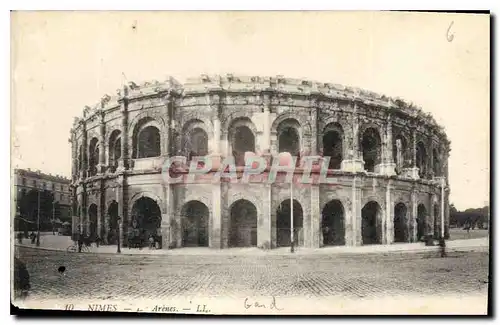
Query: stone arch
[[436, 163], [149, 116], [242, 138], [304, 124], [243, 224], [145, 221], [115, 148], [371, 223], [92, 211], [371, 147], [146, 138], [333, 223], [136, 196], [195, 138], [422, 157], [283, 223], [333, 144], [289, 136], [421, 221], [93, 155], [400, 223], [195, 218], [112, 214]]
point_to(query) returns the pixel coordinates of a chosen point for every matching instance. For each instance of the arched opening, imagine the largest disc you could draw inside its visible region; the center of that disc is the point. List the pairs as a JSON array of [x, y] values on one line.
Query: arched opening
[[371, 224], [242, 140], [400, 222], [115, 149], [92, 212], [437, 221], [436, 166], [148, 142], [332, 146], [288, 137], [243, 230], [332, 224], [283, 224], [145, 221], [113, 230], [422, 160], [198, 143], [371, 148], [195, 229], [421, 221], [93, 156], [400, 153]]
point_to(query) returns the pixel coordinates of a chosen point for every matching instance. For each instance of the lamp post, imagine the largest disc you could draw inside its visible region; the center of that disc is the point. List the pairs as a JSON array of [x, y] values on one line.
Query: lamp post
[[118, 249], [291, 218], [53, 215]]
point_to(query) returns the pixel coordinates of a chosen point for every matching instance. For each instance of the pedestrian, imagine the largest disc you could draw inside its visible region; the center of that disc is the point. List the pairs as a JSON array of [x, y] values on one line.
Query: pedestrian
[[80, 242], [20, 237], [32, 237], [152, 244]]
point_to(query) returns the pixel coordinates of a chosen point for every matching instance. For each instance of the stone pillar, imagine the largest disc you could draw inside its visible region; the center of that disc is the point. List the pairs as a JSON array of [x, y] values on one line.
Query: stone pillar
[[355, 222], [447, 213], [101, 168], [167, 111], [433, 217], [83, 171], [122, 207], [167, 212], [314, 127], [432, 172], [264, 221], [215, 240], [412, 171], [354, 161], [74, 156], [315, 220], [389, 215], [266, 142], [388, 167], [413, 217], [123, 163]]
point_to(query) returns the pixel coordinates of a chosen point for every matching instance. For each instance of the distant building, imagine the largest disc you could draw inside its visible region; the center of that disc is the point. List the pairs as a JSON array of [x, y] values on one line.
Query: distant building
[[35, 190]]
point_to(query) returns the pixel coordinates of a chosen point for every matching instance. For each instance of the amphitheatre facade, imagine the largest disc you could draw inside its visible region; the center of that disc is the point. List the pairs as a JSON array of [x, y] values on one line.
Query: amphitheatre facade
[[388, 160]]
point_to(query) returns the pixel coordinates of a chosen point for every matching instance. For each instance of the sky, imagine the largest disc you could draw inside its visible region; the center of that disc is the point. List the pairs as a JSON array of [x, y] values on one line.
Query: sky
[[62, 61]]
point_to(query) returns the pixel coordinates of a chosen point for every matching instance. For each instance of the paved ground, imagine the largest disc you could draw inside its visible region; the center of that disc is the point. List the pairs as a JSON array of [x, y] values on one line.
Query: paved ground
[[106, 276]]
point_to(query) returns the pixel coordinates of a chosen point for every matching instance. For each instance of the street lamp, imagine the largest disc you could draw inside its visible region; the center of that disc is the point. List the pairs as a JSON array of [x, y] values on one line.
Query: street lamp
[[118, 249]]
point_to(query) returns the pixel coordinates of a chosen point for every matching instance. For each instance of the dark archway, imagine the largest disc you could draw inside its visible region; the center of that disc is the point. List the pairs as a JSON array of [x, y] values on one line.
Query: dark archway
[[148, 142], [289, 141], [115, 149], [93, 156], [195, 230], [243, 229], [421, 221], [145, 221], [332, 147], [332, 224], [92, 213], [113, 230], [400, 223], [283, 224], [198, 143], [421, 160], [243, 141], [436, 165], [371, 146], [371, 223]]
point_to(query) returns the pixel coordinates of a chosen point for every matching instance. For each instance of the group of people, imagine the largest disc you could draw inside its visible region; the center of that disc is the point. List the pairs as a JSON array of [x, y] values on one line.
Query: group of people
[[32, 236]]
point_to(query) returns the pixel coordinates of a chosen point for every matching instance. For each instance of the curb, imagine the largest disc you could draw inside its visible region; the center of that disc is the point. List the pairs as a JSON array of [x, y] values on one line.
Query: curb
[[427, 249]]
